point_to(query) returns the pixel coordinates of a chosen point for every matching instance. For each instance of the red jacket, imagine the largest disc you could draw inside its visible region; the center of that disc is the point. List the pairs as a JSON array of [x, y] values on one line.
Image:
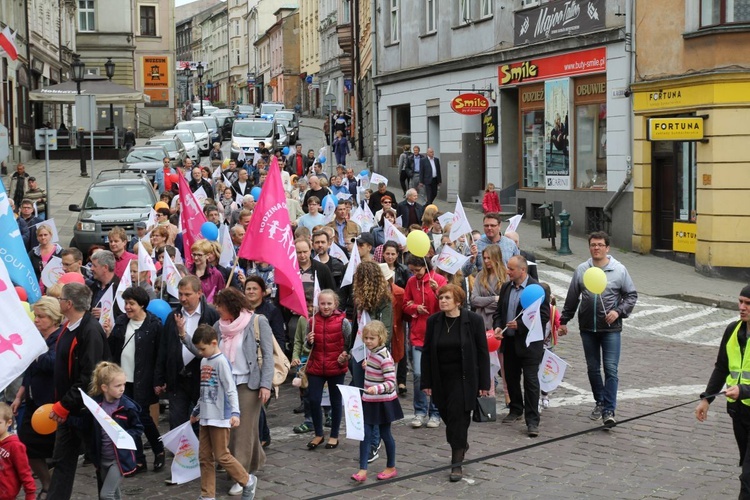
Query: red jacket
[[418, 292], [491, 203], [397, 339], [328, 345], [14, 470]]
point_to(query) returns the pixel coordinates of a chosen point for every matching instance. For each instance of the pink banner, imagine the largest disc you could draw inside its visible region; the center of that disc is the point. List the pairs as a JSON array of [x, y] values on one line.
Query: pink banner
[[191, 217]]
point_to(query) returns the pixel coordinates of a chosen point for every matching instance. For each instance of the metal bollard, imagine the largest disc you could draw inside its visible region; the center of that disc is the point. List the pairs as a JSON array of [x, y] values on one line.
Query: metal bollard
[[565, 224], [547, 224]]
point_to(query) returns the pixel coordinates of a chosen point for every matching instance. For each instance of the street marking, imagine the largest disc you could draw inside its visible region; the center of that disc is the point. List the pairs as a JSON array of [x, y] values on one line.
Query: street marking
[[700, 329], [656, 310], [677, 320], [629, 394]]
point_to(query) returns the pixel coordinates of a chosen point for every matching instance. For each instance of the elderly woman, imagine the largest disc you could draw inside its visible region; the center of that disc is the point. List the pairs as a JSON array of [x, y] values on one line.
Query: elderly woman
[[38, 389], [378, 232], [455, 368], [211, 279], [44, 251], [134, 344]]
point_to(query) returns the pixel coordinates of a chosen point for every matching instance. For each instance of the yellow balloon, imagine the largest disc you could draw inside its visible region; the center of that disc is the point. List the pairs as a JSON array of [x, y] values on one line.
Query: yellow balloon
[[595, 280], [418, 243], [29, 311], [225, 163]]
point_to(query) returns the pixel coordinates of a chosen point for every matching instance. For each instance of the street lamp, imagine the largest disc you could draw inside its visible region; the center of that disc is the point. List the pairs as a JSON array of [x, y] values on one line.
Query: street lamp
[[109, 67], [200, 85], [78, 69]]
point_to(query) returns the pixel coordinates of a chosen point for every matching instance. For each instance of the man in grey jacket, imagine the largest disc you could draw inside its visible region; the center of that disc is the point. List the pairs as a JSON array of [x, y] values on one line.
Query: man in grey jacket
[[600, 322]]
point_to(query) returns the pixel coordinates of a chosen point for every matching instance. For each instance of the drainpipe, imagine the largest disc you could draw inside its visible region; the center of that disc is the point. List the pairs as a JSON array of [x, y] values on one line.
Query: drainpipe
[[356, 80], [374, 93], [630, 62]]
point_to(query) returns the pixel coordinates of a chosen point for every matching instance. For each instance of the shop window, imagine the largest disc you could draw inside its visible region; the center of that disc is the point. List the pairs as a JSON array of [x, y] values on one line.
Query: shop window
[[591, 146], [532, 148], [401, 119], [717, 12], [686, 182]]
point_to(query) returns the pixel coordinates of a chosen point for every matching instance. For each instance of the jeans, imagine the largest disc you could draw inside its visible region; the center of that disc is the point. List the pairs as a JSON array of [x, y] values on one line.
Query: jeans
[[421, 401], [384, 431], [598, 345], [315, 394]]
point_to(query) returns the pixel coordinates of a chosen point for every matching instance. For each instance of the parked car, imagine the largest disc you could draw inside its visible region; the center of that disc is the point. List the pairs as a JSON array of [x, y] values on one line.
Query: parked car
[[115, 198], [268, 109], [174, 146], [207, 109], [201, 134], [244, 111], [246, 134], [188, 139], [213, 127], [147, 159], [290, 120], [282, 139], [225, 125]]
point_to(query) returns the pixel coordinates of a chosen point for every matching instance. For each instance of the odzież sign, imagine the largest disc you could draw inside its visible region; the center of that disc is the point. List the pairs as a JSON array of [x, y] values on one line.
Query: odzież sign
[[675, 129], [470, 104]]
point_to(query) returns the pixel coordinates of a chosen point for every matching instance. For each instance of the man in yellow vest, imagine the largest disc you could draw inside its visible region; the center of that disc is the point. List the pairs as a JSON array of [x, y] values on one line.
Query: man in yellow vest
[[733, 369]]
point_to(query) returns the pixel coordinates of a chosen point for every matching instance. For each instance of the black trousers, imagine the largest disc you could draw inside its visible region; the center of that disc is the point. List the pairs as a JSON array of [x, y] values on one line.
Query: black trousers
[[527, 364], [404, 180], [150, 429], [182, 400], [457, 419], [69, 439], [740, 414], [431, 191]]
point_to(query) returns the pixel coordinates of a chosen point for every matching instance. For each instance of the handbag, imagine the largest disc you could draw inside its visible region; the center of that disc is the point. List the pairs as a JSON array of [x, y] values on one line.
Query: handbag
[[485, 409], [281, 363]]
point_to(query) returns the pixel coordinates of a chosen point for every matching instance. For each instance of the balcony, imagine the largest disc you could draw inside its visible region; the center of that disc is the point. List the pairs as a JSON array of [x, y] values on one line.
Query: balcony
[[346, 40]]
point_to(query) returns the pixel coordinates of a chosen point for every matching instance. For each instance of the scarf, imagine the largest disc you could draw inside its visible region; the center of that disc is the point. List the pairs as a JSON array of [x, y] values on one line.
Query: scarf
[[231, 333]]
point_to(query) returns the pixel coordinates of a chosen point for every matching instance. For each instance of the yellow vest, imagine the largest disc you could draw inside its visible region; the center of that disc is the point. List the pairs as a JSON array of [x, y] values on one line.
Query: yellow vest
[[739, 365]]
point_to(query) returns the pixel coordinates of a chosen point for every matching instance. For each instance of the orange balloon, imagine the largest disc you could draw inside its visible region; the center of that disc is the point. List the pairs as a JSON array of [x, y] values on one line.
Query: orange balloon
[[41, 422], [160, 204]]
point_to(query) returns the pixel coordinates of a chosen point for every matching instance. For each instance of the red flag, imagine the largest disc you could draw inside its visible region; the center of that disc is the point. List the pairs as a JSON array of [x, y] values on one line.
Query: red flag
[[269, 238], [191, 217], [8, 43]]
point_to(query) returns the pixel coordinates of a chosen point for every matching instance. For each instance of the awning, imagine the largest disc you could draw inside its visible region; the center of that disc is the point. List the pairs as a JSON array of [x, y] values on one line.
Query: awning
[[106, 92]]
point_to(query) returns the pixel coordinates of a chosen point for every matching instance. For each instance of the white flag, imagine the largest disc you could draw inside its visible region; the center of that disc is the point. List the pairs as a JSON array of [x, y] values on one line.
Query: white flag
[[393, 234], [52, 271], [359, 351], [351, 267], [239, 200], [183, 442], [119, 436], [226, 258], [343, 196], [170, 276], [53, 228], [551, 371], [450, 261], [125, 283], [513, 223], [241, 156], [445, 219], [20, 342], [368, 219], [355, 421], [152, 220], [146, 263], [460, 223], [533, 321], [200, 195], [376, 179], [336, 251], [399, 221], [36, 210], [316, 291], [107, 303], [216, 175], [329, 206]]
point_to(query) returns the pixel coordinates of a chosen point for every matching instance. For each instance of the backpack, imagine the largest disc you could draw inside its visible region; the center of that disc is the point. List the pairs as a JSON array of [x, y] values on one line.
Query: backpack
[[281, 363]]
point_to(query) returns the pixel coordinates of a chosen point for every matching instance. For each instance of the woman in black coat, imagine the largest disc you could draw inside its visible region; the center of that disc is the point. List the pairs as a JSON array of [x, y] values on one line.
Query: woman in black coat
[[455, 368], [134, 343]]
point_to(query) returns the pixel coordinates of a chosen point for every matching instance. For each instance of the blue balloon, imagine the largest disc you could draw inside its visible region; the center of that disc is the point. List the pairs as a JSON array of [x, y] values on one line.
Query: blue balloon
[[365, 173], [531, 294], [210, 231], [333, 198], [160, 308], [285, 150], [255, 192], [322, 159]]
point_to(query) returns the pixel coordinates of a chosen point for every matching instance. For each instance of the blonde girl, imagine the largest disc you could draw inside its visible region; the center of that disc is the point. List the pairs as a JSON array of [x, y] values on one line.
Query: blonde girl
[[490, 201]]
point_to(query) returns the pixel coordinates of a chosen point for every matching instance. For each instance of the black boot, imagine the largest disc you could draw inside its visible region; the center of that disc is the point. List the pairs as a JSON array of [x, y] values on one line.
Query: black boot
[[456, 472]]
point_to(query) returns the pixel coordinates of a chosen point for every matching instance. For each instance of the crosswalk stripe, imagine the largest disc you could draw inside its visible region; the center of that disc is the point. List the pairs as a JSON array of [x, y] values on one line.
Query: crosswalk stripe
[[656, 310], [701, 328], [678, 319]]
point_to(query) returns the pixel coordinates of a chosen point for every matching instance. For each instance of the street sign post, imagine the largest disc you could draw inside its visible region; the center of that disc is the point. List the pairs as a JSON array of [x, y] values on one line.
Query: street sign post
[[46, 139], [86, 120]]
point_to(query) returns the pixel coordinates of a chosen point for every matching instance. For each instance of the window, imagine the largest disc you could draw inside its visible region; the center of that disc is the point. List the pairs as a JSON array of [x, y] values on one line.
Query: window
[[394, 24], [86, 15], [148, 20], [430, 24], [401, 116], [716, 12], [686, 182], [485, 9], [464, 12], [346, 12], [532, 148], [591, 146]]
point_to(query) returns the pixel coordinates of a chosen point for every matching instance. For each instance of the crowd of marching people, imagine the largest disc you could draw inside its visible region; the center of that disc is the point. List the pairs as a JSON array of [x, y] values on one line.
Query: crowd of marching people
[[178, 315]]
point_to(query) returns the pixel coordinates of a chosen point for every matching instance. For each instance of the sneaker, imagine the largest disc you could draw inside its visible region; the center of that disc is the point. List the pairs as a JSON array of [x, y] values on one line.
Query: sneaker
[[299, 409], [609, 419], [545, 401], [418, 421], [596, 413], [433, 423], [512, 417], [303, 428], [374, 455], [235, 490], [248, 492]]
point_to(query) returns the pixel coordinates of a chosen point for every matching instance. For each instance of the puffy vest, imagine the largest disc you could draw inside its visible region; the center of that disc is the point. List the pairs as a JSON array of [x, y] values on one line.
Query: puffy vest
[[739, 365], [329, 343]]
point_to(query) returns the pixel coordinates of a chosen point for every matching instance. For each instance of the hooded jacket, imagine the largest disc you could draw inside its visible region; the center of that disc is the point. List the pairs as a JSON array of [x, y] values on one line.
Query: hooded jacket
[[418, 292], [127, 416]]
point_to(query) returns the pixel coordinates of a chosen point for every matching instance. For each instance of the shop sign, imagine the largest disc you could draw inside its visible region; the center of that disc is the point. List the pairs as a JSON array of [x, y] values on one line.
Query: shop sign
[[470, 104], [155, 72], [159, 98], [675, 129], [558, 19], [489, 126], [191, 65], [684, 237], [691, 96], [563, 65]]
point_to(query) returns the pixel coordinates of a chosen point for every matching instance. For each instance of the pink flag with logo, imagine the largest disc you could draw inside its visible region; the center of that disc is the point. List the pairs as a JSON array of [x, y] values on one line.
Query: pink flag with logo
[[269, 238], [191, 217]]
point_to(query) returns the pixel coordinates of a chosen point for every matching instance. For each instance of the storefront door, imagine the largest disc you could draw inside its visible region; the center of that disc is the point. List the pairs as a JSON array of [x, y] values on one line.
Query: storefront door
[[663, 202]]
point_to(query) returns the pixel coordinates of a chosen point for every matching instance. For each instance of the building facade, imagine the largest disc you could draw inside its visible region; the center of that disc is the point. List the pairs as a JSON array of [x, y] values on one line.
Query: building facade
[[238, 52], [283, 39], [215, 51], [310, 54]]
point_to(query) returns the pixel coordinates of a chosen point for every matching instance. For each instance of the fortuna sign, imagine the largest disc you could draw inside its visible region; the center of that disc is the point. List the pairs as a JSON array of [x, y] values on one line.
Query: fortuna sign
[[470, 104], [675, 129]]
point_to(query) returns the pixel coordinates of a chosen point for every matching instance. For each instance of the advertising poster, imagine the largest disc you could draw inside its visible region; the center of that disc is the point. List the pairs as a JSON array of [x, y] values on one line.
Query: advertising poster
[[557, 128]]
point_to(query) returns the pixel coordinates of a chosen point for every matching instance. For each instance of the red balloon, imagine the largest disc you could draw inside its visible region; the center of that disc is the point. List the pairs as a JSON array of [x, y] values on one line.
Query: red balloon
[[22, 294], [493, 344], [174, 177], [71, 278]]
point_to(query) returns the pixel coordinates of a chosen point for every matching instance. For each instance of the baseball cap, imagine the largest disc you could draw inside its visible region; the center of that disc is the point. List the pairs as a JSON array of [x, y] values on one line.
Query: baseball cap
[[366, 238], [140, 225]]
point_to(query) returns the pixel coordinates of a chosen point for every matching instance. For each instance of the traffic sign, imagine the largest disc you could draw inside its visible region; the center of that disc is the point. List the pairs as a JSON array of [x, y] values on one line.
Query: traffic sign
[[45, 137]]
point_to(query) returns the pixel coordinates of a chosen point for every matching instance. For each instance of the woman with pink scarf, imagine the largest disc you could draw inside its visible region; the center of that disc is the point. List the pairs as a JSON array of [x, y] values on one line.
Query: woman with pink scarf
[[238, 327]]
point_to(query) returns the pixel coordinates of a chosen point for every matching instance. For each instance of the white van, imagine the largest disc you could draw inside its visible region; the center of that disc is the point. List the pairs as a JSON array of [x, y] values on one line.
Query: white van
[[246, 134]]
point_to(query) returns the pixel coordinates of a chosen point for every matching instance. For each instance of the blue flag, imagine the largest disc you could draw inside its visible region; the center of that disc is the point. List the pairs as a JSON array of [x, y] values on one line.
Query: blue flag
[[13, 252]]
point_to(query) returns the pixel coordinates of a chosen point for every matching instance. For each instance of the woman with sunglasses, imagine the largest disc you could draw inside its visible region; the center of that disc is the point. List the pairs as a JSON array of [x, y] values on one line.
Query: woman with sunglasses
[[211, 279]]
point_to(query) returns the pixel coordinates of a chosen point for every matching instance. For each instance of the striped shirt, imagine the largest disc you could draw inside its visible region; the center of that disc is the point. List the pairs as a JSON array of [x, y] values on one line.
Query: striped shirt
[[380, 372]]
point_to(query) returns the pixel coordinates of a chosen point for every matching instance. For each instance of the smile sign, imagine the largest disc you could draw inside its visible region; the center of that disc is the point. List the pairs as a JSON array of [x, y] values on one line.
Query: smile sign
[[470, 104]]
